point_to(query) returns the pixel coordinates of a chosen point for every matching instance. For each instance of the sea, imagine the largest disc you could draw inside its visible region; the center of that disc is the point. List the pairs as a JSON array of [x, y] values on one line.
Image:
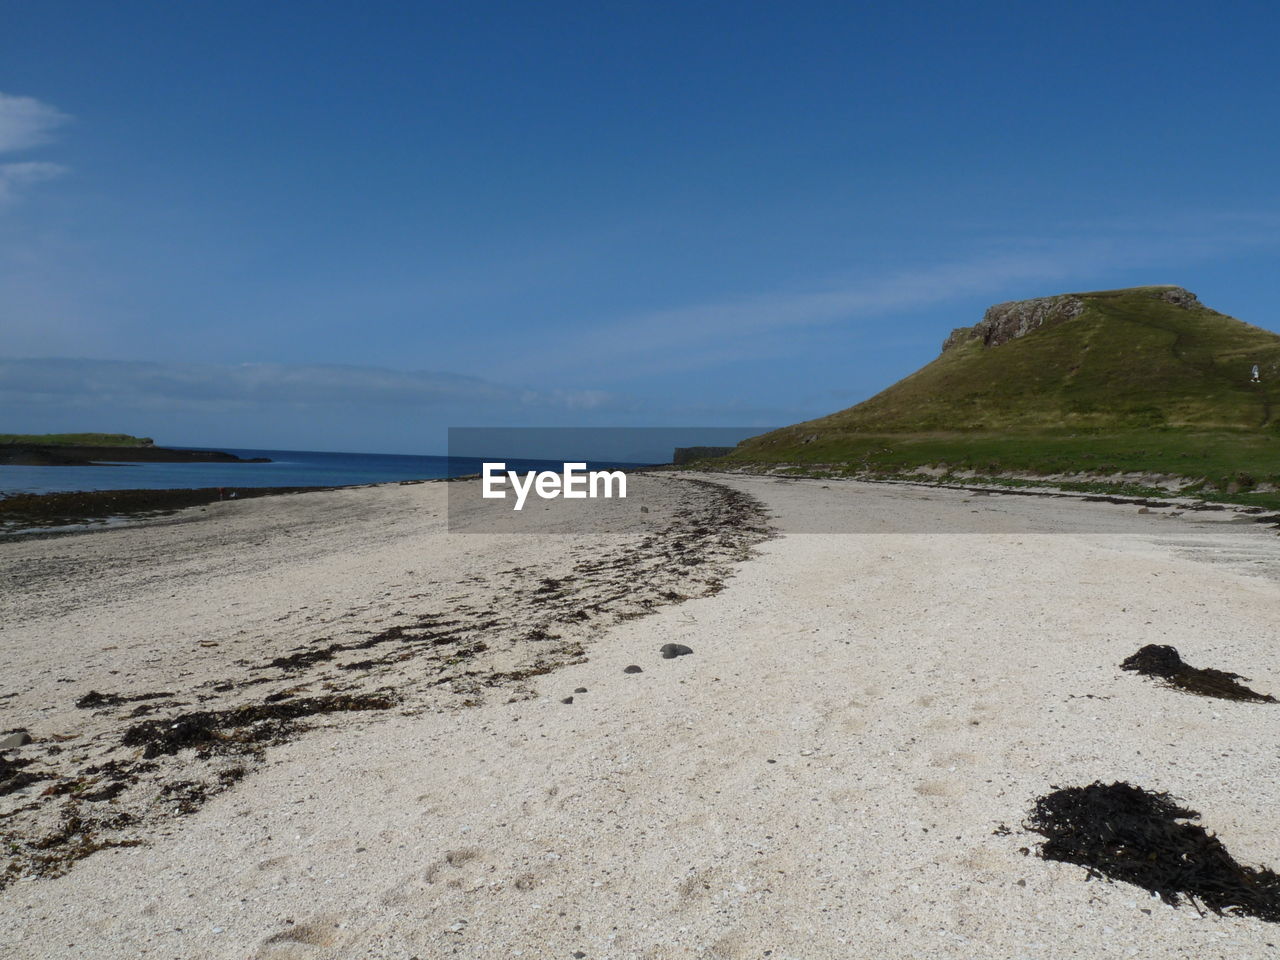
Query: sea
[[288, 468]]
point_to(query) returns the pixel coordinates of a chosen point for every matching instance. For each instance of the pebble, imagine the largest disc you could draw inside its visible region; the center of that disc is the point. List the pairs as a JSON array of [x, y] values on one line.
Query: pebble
[[567, 700], [672, 650], [632, 669], [19, 739], [580, 690]]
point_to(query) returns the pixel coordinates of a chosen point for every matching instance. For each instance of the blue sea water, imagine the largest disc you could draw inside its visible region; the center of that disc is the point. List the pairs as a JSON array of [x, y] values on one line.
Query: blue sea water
[[288, 468]]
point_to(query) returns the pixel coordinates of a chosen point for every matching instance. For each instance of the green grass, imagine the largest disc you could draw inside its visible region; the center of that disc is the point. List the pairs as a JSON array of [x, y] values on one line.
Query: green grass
[[1134, 384], [1210, 463], [76, 439]]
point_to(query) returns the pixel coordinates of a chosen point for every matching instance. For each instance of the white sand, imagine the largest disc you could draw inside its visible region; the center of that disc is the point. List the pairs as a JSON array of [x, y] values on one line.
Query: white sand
[[914, 692]]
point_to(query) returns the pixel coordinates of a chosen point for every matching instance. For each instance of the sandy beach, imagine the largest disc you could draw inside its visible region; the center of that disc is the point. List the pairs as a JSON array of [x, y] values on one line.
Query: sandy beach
[[841, 768]]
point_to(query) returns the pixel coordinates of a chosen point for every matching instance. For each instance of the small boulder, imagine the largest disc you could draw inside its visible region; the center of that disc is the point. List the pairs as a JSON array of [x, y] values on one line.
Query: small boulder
[[632, 669], [19, 739], [670, 651]]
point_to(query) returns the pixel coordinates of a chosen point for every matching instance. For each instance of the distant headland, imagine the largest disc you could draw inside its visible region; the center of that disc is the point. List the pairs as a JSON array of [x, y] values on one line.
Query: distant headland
[[95, 449]]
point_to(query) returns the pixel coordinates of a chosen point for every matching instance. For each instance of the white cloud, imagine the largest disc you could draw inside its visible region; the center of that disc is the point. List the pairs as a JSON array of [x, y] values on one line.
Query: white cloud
[[26, 122], [706, 334], [258, 386], [14, 176], [710, 334]]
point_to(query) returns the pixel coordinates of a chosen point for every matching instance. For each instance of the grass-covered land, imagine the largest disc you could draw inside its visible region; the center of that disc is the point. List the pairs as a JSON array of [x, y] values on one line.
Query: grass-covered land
[[75, 439], [1134, 384], [1235, 468]]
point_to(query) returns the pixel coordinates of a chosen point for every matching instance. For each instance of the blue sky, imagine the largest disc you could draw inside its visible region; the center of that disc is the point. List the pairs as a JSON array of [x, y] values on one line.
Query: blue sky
[[351, 225]]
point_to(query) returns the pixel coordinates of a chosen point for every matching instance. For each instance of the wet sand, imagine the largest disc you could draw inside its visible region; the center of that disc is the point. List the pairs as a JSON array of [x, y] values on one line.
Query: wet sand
[[829, 774]]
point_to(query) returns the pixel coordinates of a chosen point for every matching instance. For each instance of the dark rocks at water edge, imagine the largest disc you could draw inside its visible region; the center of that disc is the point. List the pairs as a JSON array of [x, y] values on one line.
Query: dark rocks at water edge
[[632, 669], [66, 509], [69, 455], [670, 651]]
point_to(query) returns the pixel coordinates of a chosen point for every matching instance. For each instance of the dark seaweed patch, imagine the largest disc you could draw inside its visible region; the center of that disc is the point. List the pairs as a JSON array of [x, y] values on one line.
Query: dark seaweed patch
[[75, 838], [253, 723], [304, 658], [1122, 832], [94, 699], [186, 795], [1163, 662], [15, 776], [106, 792]]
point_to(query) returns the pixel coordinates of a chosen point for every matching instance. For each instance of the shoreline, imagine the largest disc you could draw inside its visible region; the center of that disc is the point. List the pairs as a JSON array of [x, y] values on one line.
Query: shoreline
[[842, 764], [1171, 500], [26, 515], [83, 785], [98, 455]]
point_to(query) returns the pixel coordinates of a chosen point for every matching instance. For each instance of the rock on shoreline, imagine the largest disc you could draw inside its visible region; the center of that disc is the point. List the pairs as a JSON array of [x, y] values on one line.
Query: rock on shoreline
[[69, 455]]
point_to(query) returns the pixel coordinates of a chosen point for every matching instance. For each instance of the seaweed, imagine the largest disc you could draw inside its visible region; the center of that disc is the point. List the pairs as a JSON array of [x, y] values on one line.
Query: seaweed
[[187, 795], [164, 758], [94, 699], [303, 658], [74, 839], [14, 777], [106, 792], [252, 723], [1163, 662], [1122, 832]]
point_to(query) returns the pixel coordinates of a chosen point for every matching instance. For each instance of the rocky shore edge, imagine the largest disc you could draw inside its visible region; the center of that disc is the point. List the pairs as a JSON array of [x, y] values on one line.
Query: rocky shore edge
[[75, 455], [36, 514]]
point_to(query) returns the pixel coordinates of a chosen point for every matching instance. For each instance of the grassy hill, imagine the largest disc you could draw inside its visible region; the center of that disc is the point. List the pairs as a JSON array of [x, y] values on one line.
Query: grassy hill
[[75, 439], [1139, 381]]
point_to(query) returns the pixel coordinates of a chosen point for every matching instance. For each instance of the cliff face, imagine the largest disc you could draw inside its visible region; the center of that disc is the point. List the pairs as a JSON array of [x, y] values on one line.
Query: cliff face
[[1017, 318]]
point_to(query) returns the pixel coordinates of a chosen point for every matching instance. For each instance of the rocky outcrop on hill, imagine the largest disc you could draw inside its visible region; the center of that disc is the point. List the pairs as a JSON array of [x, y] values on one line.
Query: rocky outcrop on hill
[[1009, 321]]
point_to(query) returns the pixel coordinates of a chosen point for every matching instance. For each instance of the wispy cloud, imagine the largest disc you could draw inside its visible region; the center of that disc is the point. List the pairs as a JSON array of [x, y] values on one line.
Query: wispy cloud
[[707, 334], [15, 176], [253, 386], [26, 122]]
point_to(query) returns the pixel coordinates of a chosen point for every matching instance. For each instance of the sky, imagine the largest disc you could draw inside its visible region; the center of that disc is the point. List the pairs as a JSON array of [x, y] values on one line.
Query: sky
[[352, 225]]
